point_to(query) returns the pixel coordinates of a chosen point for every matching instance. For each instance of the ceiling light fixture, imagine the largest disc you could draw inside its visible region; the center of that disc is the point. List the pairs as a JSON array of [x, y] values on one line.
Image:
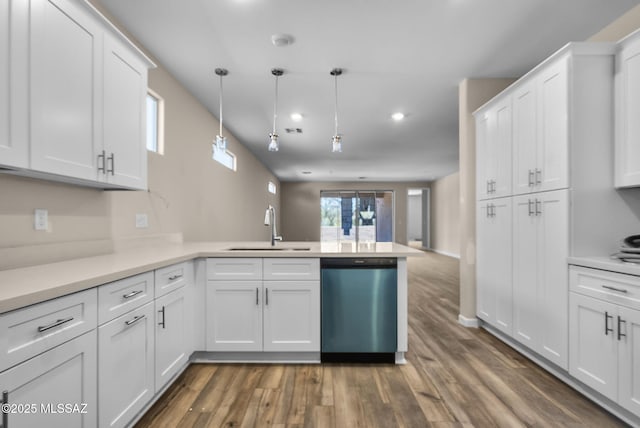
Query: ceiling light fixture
[[336, 141], [296, 117], [397, 116], [273, 137], [221, 141], [281, 40]]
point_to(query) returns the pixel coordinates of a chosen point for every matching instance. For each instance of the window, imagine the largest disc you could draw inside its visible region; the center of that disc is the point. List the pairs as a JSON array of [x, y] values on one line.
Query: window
[[271, 187], [225, 157], [360, 216], [155, 122]]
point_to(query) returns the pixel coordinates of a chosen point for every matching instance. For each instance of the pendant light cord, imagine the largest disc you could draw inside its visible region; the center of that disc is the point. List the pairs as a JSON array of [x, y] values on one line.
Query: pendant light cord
[[336, 103], [220, 105], [275, 106]]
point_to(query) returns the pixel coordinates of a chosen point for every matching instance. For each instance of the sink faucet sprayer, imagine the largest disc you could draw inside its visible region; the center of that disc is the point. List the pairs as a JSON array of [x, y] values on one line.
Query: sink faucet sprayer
[[270, 220]]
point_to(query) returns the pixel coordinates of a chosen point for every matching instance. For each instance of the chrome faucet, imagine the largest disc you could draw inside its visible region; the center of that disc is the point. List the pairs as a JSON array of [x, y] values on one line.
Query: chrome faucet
[[270, 220]]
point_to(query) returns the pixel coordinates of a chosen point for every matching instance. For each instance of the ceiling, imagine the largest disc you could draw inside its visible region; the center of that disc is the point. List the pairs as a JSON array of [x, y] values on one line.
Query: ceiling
[[397, 55]]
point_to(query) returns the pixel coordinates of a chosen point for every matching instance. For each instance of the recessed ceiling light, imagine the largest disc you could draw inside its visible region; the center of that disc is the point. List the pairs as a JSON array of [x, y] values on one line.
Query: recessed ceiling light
[[397, 116], [306, 172], [297, 117], [281, 40]]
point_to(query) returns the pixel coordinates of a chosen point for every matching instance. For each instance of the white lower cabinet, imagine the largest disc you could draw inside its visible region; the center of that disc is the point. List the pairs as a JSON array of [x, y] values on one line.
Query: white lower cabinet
[[605, 334], [172, 334], [257, 315], [60, 383], [291, 316], [126, 366], [540, 283]]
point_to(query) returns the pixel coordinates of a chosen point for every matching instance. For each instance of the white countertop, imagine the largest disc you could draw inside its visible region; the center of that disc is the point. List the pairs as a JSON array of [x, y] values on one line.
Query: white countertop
[[606, 263], [30, 285]]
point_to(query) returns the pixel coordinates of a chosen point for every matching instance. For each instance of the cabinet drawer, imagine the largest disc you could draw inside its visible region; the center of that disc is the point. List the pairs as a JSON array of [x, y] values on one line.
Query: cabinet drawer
[[291, 269], [119, 297], [172, 277], [613, 287], [232, 268], [27, 332]]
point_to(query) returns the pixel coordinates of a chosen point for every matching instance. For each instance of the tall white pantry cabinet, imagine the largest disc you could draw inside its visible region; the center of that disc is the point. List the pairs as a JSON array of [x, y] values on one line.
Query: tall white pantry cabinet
[[552, 131]]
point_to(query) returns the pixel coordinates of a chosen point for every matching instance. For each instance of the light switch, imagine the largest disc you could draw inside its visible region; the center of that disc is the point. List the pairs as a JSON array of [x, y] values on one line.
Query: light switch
[[142, 221], [40, 219]]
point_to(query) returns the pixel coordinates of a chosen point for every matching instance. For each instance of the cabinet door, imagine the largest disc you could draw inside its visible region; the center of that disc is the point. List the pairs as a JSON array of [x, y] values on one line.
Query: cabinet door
[[171, 335], [552, 211], [525, 272], [234, 316], [502, 142], [501, 250], [14, 16], [125, 89], [593, 352], [485, 263], [628, 324], [292, 316], [66, 50], [524, 138], [483, 158], [126, 366], [627, 145], [63, 375], [552, 157]]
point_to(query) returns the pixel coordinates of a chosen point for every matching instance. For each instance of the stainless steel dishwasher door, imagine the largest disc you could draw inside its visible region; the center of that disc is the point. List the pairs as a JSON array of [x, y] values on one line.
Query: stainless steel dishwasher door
[[359, 306]]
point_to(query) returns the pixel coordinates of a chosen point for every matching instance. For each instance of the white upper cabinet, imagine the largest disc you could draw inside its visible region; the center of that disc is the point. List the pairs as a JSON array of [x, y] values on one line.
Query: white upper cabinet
[[75, 110], [14, 148], [627, 81], [66, 44], [540, 130], [125, 89], [494, 150]]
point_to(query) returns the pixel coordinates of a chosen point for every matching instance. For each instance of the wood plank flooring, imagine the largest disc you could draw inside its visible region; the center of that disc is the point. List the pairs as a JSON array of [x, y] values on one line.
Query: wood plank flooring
[[455, 377]]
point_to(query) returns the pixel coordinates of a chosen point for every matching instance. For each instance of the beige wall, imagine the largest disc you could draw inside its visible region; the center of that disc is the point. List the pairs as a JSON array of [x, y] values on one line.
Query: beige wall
[[445, 215], [618, 29], [472, 94], [300, 201], [189, 194]]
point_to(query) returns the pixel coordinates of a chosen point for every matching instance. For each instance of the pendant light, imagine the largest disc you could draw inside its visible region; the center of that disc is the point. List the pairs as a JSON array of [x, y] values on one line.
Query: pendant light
[[273, 137], [221, 141], [336, 141]]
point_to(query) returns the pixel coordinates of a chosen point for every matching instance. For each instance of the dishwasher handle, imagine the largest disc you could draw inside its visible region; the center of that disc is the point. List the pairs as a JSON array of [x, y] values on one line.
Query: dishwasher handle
[[359, 263]]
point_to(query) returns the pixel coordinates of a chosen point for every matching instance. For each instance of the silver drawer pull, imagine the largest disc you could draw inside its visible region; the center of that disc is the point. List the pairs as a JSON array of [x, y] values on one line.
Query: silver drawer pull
[[174, 277], [620, 290], [130, 295], [135, 320], [54, 324]]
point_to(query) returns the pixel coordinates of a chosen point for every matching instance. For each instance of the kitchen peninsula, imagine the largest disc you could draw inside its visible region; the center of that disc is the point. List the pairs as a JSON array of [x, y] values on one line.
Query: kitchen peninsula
[[160, 307]]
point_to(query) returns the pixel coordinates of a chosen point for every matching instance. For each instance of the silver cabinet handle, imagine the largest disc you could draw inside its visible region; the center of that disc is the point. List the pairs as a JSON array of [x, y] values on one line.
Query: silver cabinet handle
[[538, 176], [174, 277], [130, 295], [162, 323], [493, 186], [620, 333], [5, 415], [530, 178], [135, 319], [101, 157], [538, 207], [54, 324], [113, 164], [530, 206], [607, 330], [488, 186], [266, 297], [619, 290], [257, 301]]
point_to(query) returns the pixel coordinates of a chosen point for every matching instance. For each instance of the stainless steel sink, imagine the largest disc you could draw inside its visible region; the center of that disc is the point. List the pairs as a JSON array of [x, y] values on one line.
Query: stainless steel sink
[[269, 249]]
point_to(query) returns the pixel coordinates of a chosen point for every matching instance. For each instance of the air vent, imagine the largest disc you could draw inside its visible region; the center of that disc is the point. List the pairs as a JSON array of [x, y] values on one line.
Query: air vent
[[293, 130]]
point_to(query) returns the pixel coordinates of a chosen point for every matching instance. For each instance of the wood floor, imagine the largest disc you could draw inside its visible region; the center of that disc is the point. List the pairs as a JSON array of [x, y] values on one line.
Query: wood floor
[[455, 377]]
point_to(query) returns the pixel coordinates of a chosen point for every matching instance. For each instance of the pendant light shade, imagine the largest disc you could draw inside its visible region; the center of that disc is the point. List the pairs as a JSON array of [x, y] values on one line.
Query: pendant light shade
[[221, 141], [336, 141], [273, 137]]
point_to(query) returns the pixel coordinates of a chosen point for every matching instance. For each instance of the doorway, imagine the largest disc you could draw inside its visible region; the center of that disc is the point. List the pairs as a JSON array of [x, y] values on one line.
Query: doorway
[[418, 218]]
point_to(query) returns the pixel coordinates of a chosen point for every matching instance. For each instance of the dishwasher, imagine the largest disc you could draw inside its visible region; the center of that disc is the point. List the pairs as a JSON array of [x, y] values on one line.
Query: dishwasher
[[359, 307]]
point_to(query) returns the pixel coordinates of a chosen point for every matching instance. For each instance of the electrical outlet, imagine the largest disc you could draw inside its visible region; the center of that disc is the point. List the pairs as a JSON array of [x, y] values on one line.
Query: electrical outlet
[[142, 221], [40, 219]]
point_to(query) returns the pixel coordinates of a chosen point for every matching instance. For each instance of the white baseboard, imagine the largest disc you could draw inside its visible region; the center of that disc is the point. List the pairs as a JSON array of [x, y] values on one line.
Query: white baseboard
[[446, 253], [468, 322]]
